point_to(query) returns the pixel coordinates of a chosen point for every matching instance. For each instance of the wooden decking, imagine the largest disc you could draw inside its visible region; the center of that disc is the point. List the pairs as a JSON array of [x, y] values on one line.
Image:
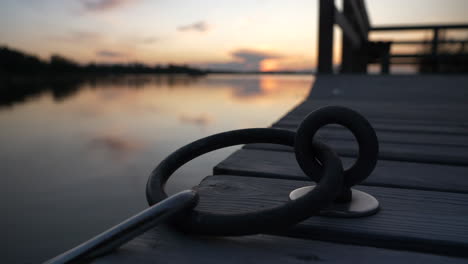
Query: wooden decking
[[421, 181]]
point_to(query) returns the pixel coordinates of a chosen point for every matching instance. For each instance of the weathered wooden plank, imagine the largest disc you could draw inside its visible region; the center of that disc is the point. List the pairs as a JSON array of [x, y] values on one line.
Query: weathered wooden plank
[[448, 155], [396, 111], [445, 143], [384, 106], [435, 114], [416, 220], [437, 118], [413, 142], [393, 121], [402, 136], [412, 89], [166, 246], [392, 126], [396, 137], [400, 128], [283, 165]]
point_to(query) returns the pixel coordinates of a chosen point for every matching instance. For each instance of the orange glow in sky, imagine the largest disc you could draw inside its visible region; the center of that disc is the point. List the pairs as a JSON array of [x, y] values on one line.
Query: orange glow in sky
[[269, 65]]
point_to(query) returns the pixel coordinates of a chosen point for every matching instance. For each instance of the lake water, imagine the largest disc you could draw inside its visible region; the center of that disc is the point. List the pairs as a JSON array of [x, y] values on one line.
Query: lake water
[[75, 154]]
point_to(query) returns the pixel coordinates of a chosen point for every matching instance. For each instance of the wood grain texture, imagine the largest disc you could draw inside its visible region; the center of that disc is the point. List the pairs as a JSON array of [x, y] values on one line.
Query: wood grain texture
[[396, 174], [390, 113], [388, 125], [394, 145], [396, 125], [416, 220], [393, 110], [167, 246], [392, 137], [417, 118], [390, 151]]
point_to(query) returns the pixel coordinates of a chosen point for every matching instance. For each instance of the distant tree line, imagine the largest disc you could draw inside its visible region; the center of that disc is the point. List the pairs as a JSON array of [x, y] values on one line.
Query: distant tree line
[[17, 62]]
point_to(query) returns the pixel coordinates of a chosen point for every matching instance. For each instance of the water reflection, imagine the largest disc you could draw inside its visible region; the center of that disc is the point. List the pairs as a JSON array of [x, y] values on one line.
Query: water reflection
[[17, 89], [202, 119], [75, 152], [118, 146]]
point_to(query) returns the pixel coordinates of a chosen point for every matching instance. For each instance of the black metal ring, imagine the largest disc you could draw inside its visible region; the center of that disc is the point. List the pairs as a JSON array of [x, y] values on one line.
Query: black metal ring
[[292, 212], [359, 126]]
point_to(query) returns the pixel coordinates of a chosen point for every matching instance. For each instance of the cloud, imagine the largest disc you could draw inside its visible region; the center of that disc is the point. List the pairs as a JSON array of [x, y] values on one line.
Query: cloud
[[103, 5], [253, 55], [252, 58], [244, 60], [200, 26], [109, 54], [199, 120]]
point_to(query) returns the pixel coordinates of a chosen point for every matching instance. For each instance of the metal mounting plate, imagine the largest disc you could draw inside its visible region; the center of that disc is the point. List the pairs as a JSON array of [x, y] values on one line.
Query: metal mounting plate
[[362, 204]]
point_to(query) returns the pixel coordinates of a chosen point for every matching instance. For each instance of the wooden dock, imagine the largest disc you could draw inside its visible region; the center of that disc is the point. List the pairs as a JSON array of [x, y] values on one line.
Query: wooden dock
[[421, 182], [421, 178]]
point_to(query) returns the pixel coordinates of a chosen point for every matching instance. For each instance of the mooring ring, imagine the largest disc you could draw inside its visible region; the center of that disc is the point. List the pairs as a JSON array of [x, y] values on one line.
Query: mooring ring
[[359, 126], [292, 212]]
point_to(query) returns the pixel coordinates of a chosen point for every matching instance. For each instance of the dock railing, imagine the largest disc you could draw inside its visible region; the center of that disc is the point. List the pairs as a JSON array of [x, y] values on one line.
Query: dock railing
[[358, 51]]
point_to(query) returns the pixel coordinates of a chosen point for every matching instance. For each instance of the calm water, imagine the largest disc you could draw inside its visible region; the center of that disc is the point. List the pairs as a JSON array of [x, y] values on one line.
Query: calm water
[[75, 155]]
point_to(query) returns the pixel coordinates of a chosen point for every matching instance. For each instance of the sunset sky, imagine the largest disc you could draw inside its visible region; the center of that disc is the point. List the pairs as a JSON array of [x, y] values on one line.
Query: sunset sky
[[242, 34]]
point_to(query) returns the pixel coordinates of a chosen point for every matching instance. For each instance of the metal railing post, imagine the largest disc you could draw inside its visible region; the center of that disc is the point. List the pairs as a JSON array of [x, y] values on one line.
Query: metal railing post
[[325, 43], [435, 43]]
